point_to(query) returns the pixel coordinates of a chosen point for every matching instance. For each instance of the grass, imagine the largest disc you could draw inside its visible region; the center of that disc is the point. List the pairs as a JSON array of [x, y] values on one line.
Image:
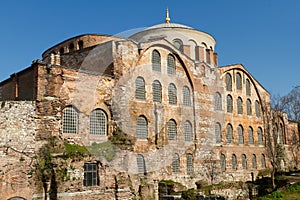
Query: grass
[[104, 149]]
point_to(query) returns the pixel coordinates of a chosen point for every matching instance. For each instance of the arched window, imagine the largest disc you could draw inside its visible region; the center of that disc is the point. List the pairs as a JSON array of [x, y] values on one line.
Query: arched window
[[156, 61], [140, 88], [70, 120], [178, 44], [248, 87], [244, 161], [218, 101], [186, 96], [189, 163], [223, 162], [188, 133], [238, 81], [71, 47], [229, 104], [156, 91], [98, 122], [141, 165], [142, 128], [263, 161], [280, 134], [172, 94], [175, 163], [241, 134], [250, 135], [234, 165], [172, 130], [249, 107], [62, 50], [171, 64], [254, 165], [80, 44], [218, 132], [259, 136], [240, 105], [229, 134], [257, 108], [228, 82]]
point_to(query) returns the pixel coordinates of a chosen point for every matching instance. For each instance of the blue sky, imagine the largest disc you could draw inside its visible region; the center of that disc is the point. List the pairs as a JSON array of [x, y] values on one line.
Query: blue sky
[[263, 35]]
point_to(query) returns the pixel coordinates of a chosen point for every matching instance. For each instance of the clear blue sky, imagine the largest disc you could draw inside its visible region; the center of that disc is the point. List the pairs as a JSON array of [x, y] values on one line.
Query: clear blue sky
[[263, 35]]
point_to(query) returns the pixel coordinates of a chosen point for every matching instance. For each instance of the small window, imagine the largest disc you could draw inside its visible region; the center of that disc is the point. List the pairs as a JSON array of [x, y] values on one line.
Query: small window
[[71, 47], [240, 105], [140, 88], [178, 44], [238, 81], [228, 82], [259, 136], [70, 120], [141, 165], [80, 45], [250, 135], [234, 165], [263, 161], [241, 134], [171, 64], [189, 163], [244, 161], [257, 108], [176, 163], [223, 162], [248, 87], [188, 136], [98, 122], [249, 107], [218, 101], [62, 50], [186, 96], [229, 134], [172, 94], [90, 174], [172, 130], [156, 90], [156, 61], [229, 104], [254, 165], [218, 132], [142, 128]]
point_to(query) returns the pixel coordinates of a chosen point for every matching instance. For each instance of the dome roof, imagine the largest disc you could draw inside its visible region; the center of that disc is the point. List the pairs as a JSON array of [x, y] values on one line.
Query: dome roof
[[169, 25]]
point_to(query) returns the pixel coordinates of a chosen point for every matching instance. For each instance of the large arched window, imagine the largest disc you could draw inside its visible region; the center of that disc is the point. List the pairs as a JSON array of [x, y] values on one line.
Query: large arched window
[[254, 165], [70, 120], [240, 105], [241, 134], [218, 101], [171, 64], [257, 108], [98, 122], [186, 96], [238, 81], [142, 128], [250, 135], [259, 136], [223, 162], [140, 88], [172, 130], [244, 161], [234, 165], [172, 94], [263, 161], [218, 132], [175, 163], [141, 165], [189, 163], [249, 107], [229, 104], [188, 132], [156, 61], [229, 133], [248, 87], [156, 91], [228, 82]]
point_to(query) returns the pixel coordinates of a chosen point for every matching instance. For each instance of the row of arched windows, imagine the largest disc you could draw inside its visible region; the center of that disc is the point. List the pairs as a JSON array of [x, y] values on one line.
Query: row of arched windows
[[156, 62], [140, 92], [176, 163], [241, 136], [70, 121], [238, 81], [234, 162]]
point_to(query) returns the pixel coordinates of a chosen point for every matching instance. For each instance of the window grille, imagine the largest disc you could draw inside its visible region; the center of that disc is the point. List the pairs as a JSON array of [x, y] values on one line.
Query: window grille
[[189, 163], [249, 109], [228, 82], [90, 174], [240, 105], [142, 128], [171, 64], [229, 135], [218, 132], [238, 81], [70, 120], [186, 96], [98, 122], [156, 87], [263, 161], [175, 163], [250, 135], [254, 165], [244, 161], [140, 88], [234, 165], [172, 130], [156, 61], [141, 166], [257, 108], [218, 101], [223, 162], [259, 136], [172, 93], [229, 104], [241, 134], [188, 136], [248, 87]]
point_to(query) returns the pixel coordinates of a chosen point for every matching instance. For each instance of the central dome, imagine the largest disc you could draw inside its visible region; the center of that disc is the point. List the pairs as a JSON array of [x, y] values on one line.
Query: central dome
[[169, 25]]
